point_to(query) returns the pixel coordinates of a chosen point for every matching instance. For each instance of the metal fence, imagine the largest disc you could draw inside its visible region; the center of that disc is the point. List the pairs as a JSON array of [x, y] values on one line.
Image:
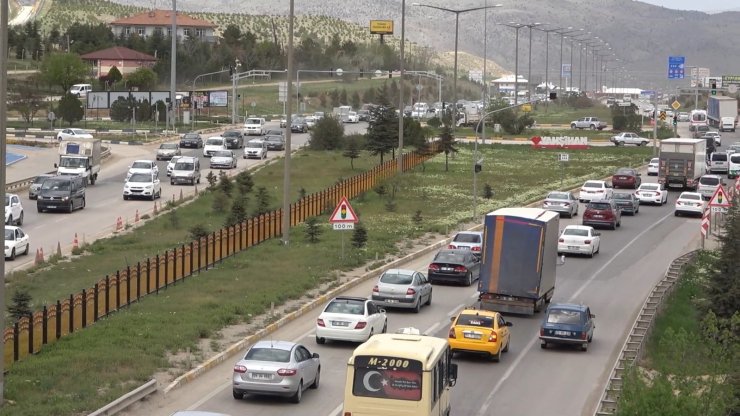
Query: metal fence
[[116, 291]]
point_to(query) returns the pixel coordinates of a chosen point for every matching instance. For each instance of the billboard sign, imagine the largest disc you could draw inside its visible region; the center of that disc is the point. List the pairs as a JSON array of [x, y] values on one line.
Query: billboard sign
[[97, 99], [381, 27], [730, 79], [218, 98]]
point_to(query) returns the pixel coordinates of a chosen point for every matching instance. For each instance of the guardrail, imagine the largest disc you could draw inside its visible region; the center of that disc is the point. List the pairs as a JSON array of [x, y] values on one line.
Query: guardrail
[[25, 183], [632, 349], [123, 402]]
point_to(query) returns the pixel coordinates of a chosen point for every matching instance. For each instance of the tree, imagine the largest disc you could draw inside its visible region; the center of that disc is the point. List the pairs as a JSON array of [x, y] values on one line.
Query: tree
[[447, 140], [355, 101], [238, 212], [114, 75], [351, 151], [143, 78], [64, 70], [120, 110], [225, 183], [382, 131], [327, 134], [359, 236], [20, 304], [724, 277], [70, 109], [313, 230], [244, 182], [263, 201], [26, 99]]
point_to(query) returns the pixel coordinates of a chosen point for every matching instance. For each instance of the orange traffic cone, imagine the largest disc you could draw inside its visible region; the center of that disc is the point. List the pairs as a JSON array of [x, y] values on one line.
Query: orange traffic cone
[[119, 224], [75, 243], [136, 218], [37, 260]]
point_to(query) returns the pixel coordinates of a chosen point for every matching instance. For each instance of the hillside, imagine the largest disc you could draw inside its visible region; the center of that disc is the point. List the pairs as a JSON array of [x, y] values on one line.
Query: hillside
[[641, 35]]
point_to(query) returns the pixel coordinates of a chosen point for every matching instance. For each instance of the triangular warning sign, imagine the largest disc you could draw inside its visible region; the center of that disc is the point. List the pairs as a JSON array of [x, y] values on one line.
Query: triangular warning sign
[[343, 213], [719, 199]]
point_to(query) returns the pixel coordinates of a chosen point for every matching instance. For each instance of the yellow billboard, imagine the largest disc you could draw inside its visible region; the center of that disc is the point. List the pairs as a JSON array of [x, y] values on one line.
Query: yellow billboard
[[381, 27]]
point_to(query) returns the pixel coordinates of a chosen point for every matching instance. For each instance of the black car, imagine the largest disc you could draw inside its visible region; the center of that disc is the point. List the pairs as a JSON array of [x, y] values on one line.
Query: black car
[[298, 125], [233, 139], [192, 140], [363, 115], [627, 202], [274, 132], [454, 266], [275, 142], [567, 324]]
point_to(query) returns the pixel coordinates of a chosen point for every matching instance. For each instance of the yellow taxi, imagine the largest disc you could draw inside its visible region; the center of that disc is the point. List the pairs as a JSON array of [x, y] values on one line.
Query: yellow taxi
[[480, 332]]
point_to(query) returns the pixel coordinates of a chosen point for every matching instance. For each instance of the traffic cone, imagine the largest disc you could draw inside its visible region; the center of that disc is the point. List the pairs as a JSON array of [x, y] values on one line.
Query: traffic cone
[[136, 218], [181, 194], [75, 243], [59, 249], [41, 254], [196, 189], [119, 224], [155, 208], [37, 260]]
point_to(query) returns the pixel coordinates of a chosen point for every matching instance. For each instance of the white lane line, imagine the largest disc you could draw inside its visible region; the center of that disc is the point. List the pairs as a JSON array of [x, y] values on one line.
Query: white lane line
[[454, 311], [474, 295], [431, 329], [489, 400], [337, 410]]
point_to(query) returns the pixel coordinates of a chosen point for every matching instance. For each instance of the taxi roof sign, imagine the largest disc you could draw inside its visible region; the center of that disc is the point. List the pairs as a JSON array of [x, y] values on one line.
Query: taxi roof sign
[[720, 198], [343, 213]]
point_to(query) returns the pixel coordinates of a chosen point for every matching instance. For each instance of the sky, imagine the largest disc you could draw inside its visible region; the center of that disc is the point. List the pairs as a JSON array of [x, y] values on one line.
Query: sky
[[703, 5]]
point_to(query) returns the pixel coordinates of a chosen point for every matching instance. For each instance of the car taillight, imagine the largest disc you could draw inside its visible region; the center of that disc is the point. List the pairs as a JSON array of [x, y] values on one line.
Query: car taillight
[[542, 332], [240, 369], [587, 242], [584, 335], [410, 291], [476, 248], [561, 240], [601, 191], [492, 337], [452, 333], [375, 289], [286, 372], [434, 267], [452, 246], [320, 322], [360, 325], [460, 269]]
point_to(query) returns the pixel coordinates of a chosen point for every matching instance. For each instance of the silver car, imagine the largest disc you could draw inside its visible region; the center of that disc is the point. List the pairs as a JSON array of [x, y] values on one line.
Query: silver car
[[33, 190], [564, 203], [279, 368], [402, 288], [223, 159], [167, 151]]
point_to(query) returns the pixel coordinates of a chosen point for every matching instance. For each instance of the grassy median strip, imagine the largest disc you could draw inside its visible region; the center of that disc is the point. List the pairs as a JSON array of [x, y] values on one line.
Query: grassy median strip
[[84, 371]]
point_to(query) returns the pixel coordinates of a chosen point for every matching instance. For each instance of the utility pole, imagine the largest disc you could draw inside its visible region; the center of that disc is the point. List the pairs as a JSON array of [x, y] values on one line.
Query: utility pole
[[400, 99], [3, 143], [173, 66], [288, 113]]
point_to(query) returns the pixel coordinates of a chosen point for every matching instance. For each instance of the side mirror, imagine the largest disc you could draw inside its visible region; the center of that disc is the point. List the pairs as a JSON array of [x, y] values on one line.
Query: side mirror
[[592, 316], [381, 310], [509, 324], [453, 374], [55, 166], [315, 355], [452, 318]]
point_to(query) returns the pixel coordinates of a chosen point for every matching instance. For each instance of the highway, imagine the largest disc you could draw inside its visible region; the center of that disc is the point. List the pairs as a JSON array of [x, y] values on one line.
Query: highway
[[528, 380]]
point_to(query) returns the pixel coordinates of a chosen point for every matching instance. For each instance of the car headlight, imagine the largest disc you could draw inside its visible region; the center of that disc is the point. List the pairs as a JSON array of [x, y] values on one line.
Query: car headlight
[[66, 198], [148, 187]]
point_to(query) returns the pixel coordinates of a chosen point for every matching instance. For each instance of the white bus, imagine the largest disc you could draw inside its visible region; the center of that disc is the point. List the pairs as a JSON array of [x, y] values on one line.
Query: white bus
[[400, 374]]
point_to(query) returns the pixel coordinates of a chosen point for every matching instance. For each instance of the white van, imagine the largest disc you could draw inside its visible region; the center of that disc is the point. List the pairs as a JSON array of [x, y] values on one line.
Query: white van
[[708, 185], [80, 90], [718, 162], [733, 169], [727, 124], [254, 126]]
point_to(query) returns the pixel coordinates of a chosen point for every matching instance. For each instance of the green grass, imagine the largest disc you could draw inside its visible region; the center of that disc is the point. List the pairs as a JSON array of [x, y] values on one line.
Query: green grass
[[86, 370], [557, 114]]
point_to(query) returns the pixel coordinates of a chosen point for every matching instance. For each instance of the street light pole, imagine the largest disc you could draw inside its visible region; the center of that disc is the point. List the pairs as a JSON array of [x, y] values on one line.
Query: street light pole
[[400, 96], [288, 110], [547, 59], [173, 66], [516, 27], [3, 144]]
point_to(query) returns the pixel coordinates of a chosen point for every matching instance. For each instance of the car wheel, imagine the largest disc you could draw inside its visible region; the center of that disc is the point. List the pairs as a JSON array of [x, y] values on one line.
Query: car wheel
[[573, 126], [593, 127], [172, 182], [506, 348], [543, 345], [125, 197], [25, 252], [320, 341], [296, 398], [417, 306], [592, 253], [591, 337], [315, 384], [237, 394], [496, 357], [614, 225], [469, 279], [38, 209], [429, 299], [676, 214], [12, 254], [385, 327]]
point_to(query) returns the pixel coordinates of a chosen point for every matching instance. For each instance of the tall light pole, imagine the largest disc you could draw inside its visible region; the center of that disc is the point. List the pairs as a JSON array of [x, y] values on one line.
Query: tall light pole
[[516, 26], [400, 96], [3, 142], [173, 65], [288, 116], [457, 27], [547, 59], [529, 65]]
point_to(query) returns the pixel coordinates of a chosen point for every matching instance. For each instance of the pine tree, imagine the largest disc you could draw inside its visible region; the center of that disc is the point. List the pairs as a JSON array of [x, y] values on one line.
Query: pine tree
[[359, 236], [263, 201], [20, 304], [225, 184], [313, 230], [238, 211], [244, 182], [352, 151], [724, 278]]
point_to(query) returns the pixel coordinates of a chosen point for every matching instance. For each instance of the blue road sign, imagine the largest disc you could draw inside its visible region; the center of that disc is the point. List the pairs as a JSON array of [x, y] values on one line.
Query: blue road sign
[[676, 67], [565, 71]]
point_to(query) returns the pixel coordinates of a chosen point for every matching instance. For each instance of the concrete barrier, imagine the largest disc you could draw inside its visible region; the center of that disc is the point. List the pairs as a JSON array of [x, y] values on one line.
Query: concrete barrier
[[127, 399]]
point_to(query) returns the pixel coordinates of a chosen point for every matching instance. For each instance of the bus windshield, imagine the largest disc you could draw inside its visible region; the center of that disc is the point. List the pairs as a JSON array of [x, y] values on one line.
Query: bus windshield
[[387, 378]]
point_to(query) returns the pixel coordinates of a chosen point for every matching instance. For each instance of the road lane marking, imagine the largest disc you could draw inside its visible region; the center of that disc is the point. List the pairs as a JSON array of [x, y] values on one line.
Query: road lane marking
[[454, 311], [337, 410], [431, 329], [489, 400]]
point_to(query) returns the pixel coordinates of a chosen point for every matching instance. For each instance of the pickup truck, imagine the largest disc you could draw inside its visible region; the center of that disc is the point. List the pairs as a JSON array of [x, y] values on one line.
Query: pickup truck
[[592, 123], [624, 138]]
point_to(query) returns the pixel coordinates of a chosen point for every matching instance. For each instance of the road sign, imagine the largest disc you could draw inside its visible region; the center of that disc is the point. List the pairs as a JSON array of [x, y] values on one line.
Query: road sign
[[343, 213], [705, 224], [719, 199], [344, 226], [565, 71], [662, 116], [282, 91], [526, 108], [676, 67], [676, 105], [564, 157], [721, 210]]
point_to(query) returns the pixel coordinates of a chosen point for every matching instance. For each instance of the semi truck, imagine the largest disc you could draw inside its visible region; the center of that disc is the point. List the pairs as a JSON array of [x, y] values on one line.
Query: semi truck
[[722, 112], [81, 157], [519, 260], [682, 162]]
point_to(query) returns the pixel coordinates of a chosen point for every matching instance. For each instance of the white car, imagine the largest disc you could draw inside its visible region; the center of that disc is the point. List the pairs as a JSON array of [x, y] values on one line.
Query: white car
[[579, 239], [142, 166], [223, 159], [71, 134], [347, 318], [468, 240], [595, 190], [16, 242], [171, 164], [13, 210], [708, 185], [213, 144], [311, 121], [690, 203], [255, 149], [142, 185], [653, 166], [652, 193], [352, 117]]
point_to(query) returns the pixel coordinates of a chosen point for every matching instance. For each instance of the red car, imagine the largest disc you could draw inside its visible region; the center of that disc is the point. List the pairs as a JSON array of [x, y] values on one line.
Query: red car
[[626, 178]]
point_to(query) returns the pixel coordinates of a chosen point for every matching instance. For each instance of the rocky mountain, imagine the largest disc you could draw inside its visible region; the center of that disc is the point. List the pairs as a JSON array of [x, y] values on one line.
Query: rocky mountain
[[641, 36]]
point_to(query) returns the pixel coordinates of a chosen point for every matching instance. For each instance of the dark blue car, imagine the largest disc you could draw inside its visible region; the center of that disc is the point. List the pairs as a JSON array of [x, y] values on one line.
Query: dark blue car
[[568, 324]]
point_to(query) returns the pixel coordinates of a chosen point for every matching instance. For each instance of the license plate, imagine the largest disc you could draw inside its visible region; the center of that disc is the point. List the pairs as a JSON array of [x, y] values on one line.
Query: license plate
[[52, 206], [624, 178], [648, 194], [447, 269], [261, 376], [391, 300], [340, 323], [572, 247], [464, 248], [471, 335], [598, 216], [563, 333]]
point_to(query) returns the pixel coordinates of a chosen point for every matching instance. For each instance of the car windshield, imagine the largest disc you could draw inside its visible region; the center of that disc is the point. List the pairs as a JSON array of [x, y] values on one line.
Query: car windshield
[[274, 138], [690, 196], [557, 195], [268, 354], [467, 238], [172, 146], [190, 136], [232, 134], [184, 166], [298, 120], [599, 205], [708, 180], [622, 196], [222, 153], [39, 179], [719, 157], [346, 307], [449, 257], [215, 141], [254, 145], [735, 158], [9, 235], [141, 165], [593, 185], [396, 278], [73, 162], [625, 171], [563, 316], [55, 185], [475, 320], [581, 232], [253, 121], [140, 177], [655, 160], [174, 160]]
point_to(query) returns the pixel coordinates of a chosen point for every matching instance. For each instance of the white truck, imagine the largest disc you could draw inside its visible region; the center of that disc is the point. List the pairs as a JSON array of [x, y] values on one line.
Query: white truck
[[682, 162], [81, 157], [469, 114], [342, 113], [722, 112], [592, 123]]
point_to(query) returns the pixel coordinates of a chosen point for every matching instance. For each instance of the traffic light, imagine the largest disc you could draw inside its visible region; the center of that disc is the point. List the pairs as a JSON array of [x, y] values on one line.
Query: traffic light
[[478, 166], [390, 74], [553, 96], [714, 87]]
